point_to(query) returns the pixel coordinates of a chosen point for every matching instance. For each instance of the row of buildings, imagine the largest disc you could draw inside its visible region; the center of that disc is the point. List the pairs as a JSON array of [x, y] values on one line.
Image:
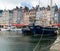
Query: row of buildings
[[26, 16]]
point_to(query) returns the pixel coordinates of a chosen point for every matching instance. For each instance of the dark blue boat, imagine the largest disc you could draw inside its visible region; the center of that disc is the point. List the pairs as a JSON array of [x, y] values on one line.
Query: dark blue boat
[[31, 30]]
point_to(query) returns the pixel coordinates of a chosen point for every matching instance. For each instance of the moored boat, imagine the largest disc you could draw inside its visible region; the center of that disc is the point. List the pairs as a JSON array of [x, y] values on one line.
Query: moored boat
[[31, 30]]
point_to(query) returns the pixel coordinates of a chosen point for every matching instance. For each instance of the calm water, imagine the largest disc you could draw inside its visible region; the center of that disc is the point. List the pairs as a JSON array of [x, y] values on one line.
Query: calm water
[[15, 41]]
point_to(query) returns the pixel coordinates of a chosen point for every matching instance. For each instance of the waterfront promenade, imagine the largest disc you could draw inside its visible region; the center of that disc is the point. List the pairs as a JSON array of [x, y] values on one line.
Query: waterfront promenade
[[56, 45]]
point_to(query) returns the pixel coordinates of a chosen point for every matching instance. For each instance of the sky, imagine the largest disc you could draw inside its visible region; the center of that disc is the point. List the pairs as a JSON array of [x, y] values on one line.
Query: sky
[[10, 4]]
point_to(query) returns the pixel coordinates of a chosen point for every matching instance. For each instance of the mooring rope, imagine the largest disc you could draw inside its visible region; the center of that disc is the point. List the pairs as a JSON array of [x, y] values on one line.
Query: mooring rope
[[38, 42]]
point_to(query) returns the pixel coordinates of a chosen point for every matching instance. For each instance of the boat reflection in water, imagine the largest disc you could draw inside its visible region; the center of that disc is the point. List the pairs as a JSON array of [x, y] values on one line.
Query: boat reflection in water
[[15, 41]]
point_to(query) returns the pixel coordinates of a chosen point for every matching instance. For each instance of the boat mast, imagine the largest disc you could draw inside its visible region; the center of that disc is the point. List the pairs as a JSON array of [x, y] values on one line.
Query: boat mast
[[39, 3], [51, 12]]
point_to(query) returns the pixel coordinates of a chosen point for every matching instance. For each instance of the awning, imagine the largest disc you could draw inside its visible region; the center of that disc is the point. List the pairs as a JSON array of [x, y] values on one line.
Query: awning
[[3, 24], [56, 24], [18, 25]]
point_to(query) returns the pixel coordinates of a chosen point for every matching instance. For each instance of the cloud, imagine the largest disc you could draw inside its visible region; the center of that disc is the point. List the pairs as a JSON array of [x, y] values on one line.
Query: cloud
[[34, 2], [42, 2], [9, 4], [28, 4]]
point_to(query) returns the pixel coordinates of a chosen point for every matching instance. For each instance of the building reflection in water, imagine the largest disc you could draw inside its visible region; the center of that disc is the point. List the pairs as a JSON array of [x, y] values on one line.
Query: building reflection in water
[[15, 41]]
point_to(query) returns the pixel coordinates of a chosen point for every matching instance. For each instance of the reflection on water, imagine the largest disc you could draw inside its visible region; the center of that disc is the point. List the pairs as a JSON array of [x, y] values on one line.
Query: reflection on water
[[15, 41]]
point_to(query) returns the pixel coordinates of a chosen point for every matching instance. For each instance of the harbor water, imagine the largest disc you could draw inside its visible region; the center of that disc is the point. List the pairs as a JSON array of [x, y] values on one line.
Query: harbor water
[[16, 41]]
